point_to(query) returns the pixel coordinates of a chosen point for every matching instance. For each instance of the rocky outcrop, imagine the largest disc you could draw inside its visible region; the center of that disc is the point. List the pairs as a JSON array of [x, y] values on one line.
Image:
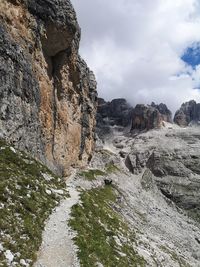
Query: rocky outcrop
[[146, 118], [188, 113], [175, 167], [164, 111], [112, 115], [117, 112], [47, 93]]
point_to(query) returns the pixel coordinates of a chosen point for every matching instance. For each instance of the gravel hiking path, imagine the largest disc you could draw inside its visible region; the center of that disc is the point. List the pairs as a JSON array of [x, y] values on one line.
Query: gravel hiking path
[[58, 249]]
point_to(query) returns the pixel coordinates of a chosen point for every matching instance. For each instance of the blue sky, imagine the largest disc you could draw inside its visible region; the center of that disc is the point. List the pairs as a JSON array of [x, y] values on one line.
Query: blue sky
[[142, 50], [191, 55]]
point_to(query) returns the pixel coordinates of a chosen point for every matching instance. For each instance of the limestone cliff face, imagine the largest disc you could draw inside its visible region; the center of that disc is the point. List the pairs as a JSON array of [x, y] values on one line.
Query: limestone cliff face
[[117, 112], [47, 92], [164, 111], [189, 112], [147, 117]]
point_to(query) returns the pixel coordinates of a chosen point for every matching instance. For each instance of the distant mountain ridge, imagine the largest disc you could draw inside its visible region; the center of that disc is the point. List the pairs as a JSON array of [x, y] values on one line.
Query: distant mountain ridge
[[144, 117]]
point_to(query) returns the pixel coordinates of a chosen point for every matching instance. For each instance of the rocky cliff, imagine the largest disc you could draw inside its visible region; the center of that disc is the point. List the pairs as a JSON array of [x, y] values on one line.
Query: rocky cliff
[[47, 92], [147, 117], [116, 113], [188, 113], [164, 111], [119, 113]]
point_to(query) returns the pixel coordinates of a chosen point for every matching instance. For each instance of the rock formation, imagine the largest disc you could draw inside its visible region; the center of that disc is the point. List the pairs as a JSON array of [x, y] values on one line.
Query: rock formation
[[164, 111], [118, 112], [110, 115], [188, 113], [175, 168], [147, 117], [47, 93]]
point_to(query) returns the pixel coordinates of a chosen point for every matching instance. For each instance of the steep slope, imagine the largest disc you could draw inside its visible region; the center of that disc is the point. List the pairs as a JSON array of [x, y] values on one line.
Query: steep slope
[[140, 218], [47, 92], [28, 193], [160, 194]]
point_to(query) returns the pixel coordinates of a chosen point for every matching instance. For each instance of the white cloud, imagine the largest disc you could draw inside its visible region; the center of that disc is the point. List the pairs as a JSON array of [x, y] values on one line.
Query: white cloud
[[134, 48]]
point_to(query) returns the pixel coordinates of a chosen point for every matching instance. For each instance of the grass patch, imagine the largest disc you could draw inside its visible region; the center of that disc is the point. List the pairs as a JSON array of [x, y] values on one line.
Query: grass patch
[[27, 196], [111, 167], [92, 174], [102, 235]]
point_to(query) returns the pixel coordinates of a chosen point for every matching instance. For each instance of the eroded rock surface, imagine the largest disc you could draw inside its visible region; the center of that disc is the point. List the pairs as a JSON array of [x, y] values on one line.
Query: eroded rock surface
[[147, 117], [164, 111], [172, 155], [117, 112], [47, 92], [159, 182], [188, 113]]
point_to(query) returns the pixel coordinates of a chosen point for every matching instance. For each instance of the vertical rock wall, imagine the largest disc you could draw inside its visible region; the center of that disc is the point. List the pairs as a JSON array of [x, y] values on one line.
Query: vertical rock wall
[[47, 92], [189, 112]]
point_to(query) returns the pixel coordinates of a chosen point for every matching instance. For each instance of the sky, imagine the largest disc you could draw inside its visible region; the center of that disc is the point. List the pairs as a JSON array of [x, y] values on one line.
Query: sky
[[142, 50]]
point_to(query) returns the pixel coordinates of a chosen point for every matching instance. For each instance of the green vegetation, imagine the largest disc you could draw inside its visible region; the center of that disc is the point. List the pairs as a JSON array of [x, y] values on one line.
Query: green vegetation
[[110, 168], [102, 235], [28, 193], [92, 174]]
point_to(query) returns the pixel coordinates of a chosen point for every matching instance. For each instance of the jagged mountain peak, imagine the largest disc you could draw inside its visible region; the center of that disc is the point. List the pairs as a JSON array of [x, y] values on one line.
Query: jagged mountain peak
[[141, 117], [189, 112]]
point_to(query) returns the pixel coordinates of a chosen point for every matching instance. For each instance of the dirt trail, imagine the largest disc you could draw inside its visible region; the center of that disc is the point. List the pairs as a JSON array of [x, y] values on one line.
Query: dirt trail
[[58, 249]]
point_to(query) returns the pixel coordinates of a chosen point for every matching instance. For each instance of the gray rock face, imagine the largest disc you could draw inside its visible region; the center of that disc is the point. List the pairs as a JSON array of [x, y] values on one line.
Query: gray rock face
[[173, 157], [159, 183], [119, 113], [19, 98], [147, 117], [164, 111], [188, 113], [47, 92], [64, 27], [116, 112]]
